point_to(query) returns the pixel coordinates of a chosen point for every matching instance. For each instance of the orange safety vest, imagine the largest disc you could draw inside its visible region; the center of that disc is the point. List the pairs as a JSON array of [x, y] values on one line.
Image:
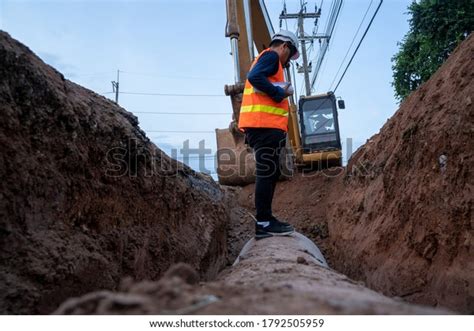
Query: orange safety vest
[[258, 110]]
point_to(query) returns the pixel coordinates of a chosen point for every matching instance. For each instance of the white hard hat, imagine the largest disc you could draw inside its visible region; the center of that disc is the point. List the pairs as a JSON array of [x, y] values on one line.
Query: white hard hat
[[288, 36]]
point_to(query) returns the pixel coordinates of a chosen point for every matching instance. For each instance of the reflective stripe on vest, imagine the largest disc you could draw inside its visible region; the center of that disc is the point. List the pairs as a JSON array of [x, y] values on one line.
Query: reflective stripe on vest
[[258, 110], [264, 109]]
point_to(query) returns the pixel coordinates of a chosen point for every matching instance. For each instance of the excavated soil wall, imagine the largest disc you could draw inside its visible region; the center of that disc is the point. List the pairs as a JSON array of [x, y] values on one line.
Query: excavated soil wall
[[399, 218], [85, 197], [404, 221]]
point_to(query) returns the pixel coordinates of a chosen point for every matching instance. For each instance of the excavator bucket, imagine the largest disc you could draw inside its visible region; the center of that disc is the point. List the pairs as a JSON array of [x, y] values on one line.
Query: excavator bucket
[[235, 160], [236, 164]]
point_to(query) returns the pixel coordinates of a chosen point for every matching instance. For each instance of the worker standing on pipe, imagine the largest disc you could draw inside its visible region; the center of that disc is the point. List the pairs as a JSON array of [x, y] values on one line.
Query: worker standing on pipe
[[264, 119]]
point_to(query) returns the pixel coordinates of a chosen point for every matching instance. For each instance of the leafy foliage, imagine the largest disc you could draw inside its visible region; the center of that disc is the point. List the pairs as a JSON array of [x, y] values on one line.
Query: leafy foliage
[[436, 28]]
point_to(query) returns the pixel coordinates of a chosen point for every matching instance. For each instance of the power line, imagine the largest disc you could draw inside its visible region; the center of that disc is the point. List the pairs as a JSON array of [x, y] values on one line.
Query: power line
[[360, 42], [151, 74], [352, 43], [291, 62], [174, 94], [179, 113], [179, 131], [194, 157], [102, 74], [331, 11], [336, 25], [180, 158], [329, 31], [321, 70], [336, 16]]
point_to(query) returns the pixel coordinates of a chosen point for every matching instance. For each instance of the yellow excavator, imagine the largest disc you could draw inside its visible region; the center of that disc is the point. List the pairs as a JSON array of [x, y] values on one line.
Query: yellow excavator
[[313, 128]]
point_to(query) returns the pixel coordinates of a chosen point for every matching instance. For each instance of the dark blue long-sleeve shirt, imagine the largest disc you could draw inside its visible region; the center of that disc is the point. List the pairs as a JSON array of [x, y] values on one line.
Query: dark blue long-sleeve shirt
[[266, 66]]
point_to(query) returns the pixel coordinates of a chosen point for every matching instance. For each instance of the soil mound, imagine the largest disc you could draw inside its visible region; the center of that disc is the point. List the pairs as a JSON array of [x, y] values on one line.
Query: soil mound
[[85, 197], [404, 221]]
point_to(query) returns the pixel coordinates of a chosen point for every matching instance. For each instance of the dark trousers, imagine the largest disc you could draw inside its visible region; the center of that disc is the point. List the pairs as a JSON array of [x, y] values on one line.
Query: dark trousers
[[267, 145]]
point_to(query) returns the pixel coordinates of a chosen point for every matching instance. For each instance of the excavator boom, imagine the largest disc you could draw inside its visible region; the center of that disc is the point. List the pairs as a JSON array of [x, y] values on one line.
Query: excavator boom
[[248, 27]]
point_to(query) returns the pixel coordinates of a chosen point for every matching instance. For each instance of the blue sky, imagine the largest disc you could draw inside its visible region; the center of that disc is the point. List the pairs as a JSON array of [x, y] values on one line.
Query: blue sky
[[179, 47]]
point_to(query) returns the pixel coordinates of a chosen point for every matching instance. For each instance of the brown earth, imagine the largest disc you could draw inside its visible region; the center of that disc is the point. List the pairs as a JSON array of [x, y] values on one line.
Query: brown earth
[[404, 221], [272, 276], [76, 217], [85, 197], [399, 218]]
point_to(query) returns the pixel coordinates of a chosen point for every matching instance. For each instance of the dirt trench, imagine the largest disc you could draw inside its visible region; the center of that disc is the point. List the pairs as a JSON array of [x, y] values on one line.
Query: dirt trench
[[397, 219], [283, 275], [86, 198]]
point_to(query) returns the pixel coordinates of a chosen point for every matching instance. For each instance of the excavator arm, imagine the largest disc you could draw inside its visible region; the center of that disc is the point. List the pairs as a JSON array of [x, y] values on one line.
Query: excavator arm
[[248, 27]]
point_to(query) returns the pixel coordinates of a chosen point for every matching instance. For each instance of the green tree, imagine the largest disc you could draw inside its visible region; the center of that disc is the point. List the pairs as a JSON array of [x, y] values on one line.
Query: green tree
[[436, 28]]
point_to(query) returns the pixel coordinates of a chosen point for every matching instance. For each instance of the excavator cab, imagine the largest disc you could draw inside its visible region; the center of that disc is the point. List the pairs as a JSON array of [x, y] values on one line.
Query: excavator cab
[[318, 123], [319, 141]]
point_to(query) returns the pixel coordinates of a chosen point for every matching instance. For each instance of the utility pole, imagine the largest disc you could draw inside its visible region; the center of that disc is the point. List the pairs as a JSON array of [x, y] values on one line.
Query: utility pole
[[301, 16], [303, 52], [115, 86]]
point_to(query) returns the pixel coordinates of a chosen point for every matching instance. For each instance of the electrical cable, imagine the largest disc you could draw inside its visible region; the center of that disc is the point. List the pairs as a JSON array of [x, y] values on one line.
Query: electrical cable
[[352, 43], [334, 30], [331, 23], [336, 16], [180, 158], [173, 94], [358, 46], [168, 76], [291, 63], [177, 131], [205, 157], [177, 113], [93, 74], [330, 15], [322, 70]]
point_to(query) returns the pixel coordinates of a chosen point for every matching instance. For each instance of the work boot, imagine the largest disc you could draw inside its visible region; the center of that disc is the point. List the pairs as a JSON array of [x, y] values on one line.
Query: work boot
[[272, 228], [260, 233], [280, 222]]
